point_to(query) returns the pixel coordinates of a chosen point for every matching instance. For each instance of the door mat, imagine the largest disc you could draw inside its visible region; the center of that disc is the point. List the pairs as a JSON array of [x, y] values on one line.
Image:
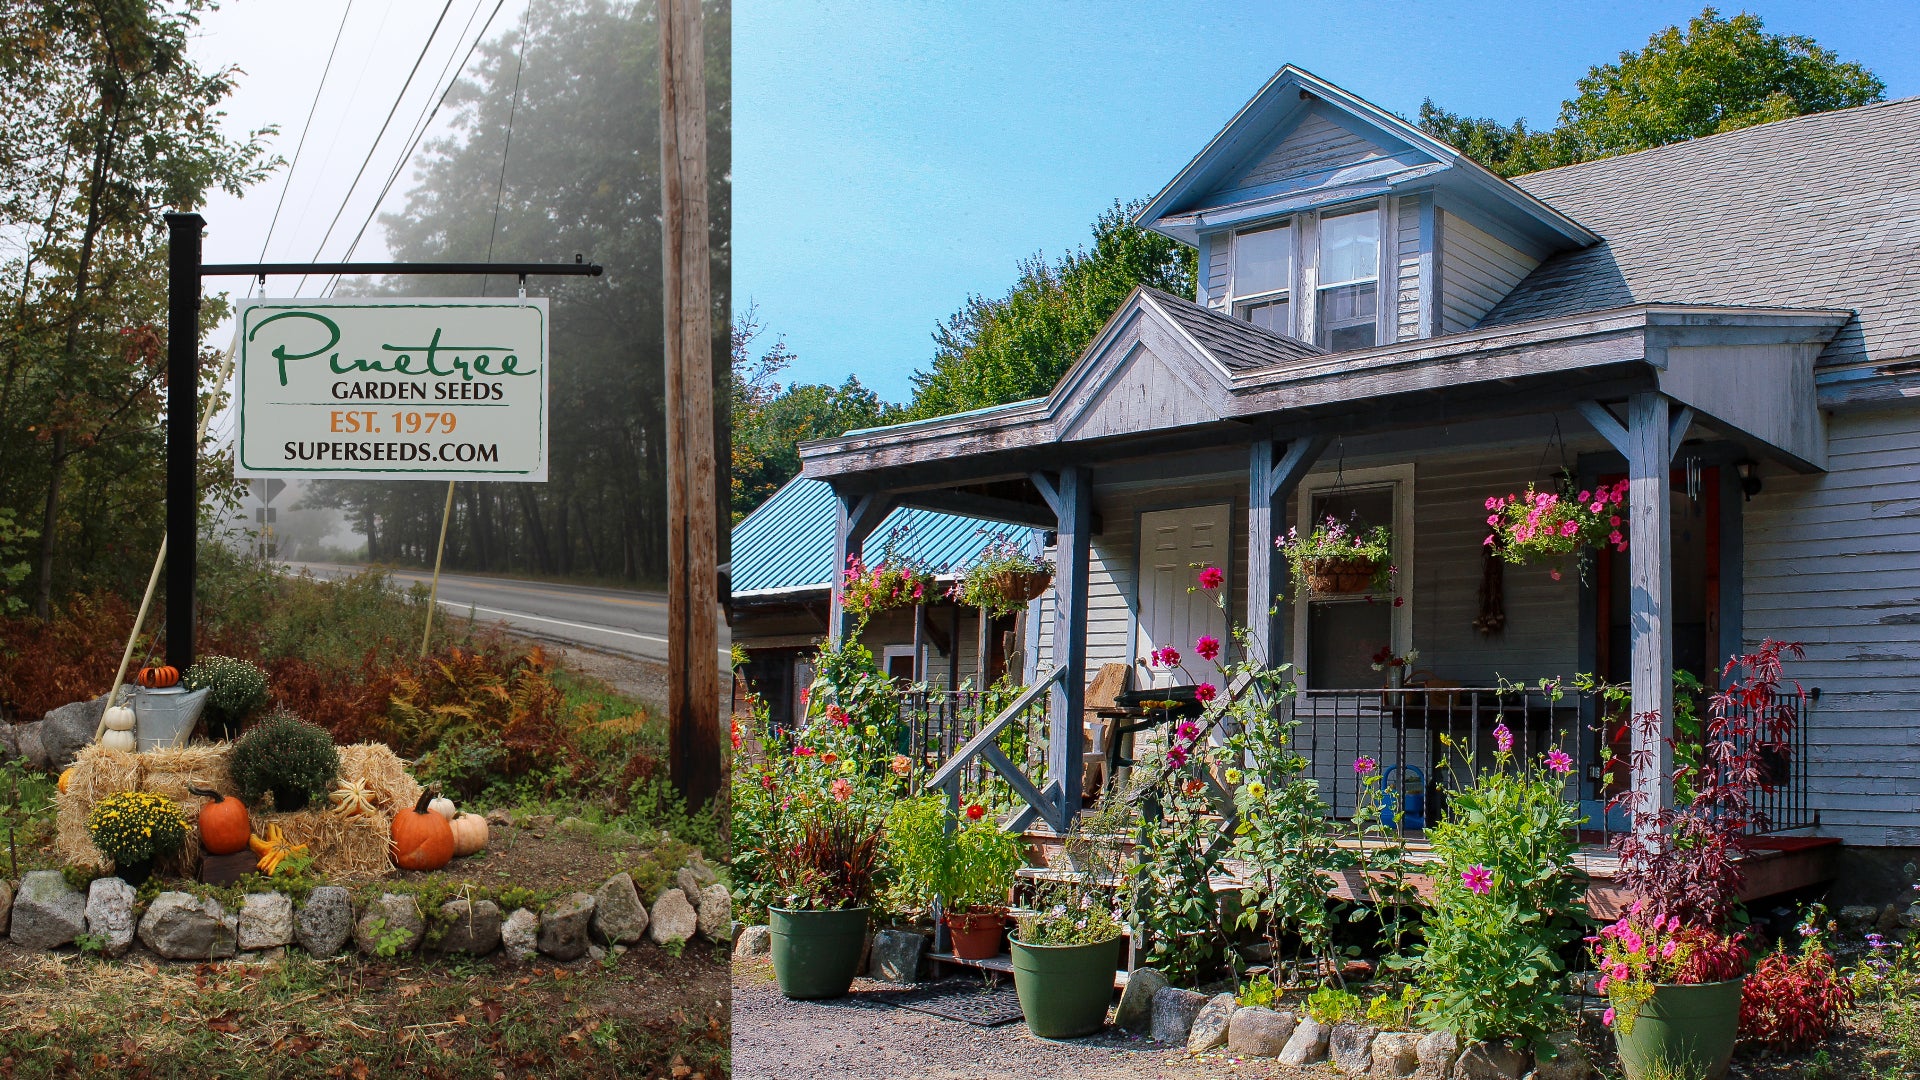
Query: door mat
[[969, 1000]]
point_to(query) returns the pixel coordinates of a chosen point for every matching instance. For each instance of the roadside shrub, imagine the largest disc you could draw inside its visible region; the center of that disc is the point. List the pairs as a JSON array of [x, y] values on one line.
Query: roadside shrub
[[1792, 1001], [44, 665], [1505, 891], [284, 755], [236, 689]]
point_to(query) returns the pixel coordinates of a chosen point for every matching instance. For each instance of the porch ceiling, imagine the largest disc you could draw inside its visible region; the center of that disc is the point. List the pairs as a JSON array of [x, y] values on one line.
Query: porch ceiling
[[1166, 375]]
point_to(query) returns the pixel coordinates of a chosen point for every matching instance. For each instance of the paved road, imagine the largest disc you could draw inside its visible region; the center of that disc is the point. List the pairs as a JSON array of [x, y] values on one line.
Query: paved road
[[610, 620]]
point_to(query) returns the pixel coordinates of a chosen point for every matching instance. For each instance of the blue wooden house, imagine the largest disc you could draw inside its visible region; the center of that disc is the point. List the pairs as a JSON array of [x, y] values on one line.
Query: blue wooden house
[[1385, 330]]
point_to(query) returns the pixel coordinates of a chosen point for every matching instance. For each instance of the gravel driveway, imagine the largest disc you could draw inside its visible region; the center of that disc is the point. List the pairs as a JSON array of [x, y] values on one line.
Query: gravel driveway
[[856, 1039]]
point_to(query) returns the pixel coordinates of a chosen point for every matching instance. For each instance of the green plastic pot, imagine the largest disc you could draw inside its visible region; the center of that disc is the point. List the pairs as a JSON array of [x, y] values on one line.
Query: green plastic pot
[[816, 954], [1683, 1031], [1065, 989]]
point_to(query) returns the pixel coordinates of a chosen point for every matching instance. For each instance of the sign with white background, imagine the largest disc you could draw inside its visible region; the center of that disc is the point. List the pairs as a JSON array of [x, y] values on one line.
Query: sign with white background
[[393, 388]]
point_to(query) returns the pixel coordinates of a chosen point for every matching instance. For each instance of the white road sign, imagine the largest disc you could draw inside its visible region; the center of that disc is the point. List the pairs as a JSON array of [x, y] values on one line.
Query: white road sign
[[393, 388]]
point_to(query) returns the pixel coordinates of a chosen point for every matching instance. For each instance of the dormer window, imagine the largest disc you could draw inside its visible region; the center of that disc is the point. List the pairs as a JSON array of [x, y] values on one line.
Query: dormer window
[[1349, 288], [1263, 276]]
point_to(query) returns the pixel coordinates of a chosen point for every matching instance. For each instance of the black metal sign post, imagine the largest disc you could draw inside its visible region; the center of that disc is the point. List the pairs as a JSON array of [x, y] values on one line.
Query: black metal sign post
[[184, 275]]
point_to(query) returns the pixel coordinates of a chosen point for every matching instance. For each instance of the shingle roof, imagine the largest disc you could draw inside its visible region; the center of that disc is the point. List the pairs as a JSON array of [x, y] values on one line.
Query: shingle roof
[[1237, 344], [786, 544], [1817, 211]]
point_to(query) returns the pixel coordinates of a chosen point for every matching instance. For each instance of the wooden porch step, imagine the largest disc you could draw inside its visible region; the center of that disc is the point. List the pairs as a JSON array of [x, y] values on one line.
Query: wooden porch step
[[1003, 964]]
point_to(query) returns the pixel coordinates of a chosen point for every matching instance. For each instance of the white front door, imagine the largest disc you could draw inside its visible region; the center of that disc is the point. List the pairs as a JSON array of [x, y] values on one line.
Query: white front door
[[1173, 545]]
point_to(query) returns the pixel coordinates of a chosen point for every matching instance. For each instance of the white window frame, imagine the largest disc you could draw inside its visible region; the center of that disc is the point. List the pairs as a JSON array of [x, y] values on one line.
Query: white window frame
[[1236, 301], [1401, 479], [1381, 226]]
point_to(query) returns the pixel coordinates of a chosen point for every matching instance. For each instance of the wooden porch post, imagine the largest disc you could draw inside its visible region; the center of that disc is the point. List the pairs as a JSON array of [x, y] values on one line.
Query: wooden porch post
[[1650, 598], [855, 518], [1073, 506], [1271, 479]]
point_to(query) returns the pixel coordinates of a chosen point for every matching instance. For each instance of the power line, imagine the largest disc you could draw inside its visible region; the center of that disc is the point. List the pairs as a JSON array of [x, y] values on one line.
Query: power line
[[305, 129], [419, 134], [513, 108], [364, 162]]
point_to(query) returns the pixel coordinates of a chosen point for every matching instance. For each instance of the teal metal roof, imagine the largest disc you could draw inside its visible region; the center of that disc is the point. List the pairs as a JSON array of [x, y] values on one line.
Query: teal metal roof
[[786, 545]]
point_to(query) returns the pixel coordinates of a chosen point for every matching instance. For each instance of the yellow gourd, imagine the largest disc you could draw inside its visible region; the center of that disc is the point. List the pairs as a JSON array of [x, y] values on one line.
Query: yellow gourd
[[273, 850]]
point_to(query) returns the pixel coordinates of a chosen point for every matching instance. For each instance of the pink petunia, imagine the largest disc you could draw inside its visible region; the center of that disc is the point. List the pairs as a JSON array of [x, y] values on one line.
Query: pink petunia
[[1607, 1017], [1208, 646], [1211, 577], [1478, 879], [1568, 528]]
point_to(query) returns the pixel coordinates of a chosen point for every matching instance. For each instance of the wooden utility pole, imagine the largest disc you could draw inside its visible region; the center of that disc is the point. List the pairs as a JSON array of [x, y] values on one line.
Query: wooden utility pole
[[693, 640]]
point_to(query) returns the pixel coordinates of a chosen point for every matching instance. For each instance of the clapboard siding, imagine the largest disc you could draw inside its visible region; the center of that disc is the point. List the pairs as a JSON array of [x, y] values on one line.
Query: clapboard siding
[[1407, 256], [1833, 561], [1216, 255], [1476, 272], [1317, 145]]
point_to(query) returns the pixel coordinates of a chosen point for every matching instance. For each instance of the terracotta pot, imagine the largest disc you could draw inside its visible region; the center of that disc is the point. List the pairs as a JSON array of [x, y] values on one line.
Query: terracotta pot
[[979, 934], [1021, 586], [1337, 577]]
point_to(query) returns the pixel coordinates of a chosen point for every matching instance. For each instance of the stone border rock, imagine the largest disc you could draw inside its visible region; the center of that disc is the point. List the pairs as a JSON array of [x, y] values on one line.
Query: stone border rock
[[47, 913]]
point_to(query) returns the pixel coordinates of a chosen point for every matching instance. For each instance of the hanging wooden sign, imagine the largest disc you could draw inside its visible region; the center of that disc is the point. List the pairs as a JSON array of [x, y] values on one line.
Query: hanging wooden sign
[[393, 388]]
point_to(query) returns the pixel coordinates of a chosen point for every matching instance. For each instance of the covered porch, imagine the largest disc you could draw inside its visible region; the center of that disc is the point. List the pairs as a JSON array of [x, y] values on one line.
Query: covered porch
[[1183, 437]]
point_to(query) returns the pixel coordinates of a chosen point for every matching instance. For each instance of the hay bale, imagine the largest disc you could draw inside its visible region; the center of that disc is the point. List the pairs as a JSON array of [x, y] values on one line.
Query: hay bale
[[343, 849]]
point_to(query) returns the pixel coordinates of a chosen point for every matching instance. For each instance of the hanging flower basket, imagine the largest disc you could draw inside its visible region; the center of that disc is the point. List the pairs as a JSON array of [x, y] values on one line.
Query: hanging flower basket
[[1340, 577], [1551, 527], [1003, 579], [1022, 586]]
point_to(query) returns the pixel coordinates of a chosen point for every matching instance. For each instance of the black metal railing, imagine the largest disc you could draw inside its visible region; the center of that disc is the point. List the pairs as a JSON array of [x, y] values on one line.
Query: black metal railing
[[944, 746]]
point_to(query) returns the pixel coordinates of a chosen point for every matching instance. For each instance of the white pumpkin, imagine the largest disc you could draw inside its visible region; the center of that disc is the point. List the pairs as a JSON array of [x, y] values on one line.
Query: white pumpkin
[[119, 739], [444, 807], [118, 718]]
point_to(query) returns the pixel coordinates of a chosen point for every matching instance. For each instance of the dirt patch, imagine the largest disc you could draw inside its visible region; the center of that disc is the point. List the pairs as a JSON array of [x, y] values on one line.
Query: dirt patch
[[549, 857]]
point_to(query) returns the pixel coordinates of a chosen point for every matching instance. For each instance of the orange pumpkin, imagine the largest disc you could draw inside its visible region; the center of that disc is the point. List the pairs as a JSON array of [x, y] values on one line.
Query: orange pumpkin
[[422, 839], [224, 825], [157, 678]]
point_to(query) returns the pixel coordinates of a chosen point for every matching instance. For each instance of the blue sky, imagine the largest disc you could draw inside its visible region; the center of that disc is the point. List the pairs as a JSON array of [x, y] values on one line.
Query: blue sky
[[891, 158]]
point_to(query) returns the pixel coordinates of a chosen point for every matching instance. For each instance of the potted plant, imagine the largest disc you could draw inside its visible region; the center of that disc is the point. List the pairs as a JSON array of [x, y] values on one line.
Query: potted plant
[[1547, 526], [1004, 579], [968, 870], [1338, 559], [1670, 968], [236, 689], [134, 828], [1066, 947], [824, 881], [283, 755]]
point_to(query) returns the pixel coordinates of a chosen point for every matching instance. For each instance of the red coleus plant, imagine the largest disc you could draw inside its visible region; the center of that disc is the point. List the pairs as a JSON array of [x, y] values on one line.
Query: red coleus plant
[[1792, 1001], [1683, 861]]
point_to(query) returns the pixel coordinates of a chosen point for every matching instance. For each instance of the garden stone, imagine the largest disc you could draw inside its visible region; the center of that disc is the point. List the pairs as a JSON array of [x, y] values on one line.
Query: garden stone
[[179, 926], [110, 914], [673, 918], [10, 738], [1173, 1013], [325, 921], [619, 918], [1569, 1060], [563, 927], [499, 819], [1135, 1013], [896, 956], [6, 906], [266, 921], [1437, 1051], [66, 730], [1209, 1028], [754, 941], [596, 954], [47, 912], [393, 919], [716, 913], [1307, 1045], [1258, 1032], [471, 928], [519, 935], [693, 880], [1490, 1061], [1858, 918], [1396, 1055], [1351, 1047]]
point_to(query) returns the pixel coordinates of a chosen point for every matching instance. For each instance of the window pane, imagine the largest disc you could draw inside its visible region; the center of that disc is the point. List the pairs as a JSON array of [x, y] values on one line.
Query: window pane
[[1271, 315], [1347, 316], [1343, 637], [1350, 248], [1262, 261]]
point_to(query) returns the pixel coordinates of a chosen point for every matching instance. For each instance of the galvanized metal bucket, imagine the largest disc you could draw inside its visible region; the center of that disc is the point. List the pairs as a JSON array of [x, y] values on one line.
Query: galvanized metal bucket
[[165, 717]]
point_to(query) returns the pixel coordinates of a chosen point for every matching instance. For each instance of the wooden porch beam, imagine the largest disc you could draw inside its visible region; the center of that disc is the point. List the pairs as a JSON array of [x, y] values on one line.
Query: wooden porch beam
[[1072, 550], [971, 504], [1049, 492], [1271, 480], [856, 516], [1604, 422], [1649, 451]]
